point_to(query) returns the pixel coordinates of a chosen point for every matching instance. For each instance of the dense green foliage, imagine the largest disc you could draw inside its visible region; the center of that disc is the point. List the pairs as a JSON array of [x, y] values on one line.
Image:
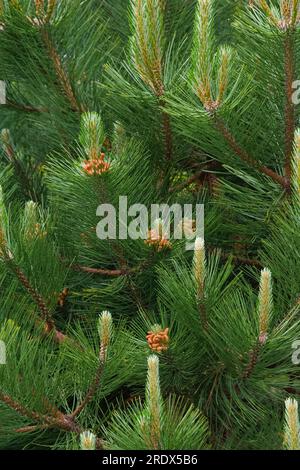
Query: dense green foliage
[[184, 102]]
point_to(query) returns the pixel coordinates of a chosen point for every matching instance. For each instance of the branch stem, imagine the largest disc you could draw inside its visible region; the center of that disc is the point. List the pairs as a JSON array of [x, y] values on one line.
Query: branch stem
[[46, 315], [244, 156], [60, 71], [91, 391], [289, 106]]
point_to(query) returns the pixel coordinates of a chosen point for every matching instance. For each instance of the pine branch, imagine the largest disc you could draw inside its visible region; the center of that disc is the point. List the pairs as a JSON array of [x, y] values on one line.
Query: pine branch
[[200, 278], [50, 9], [63, 421], [167, 133], [265, 306], [36, 427], [46, 315], [107, 272], [202, 87], [43, 427], [124, 270], [289, 106], [60, 71], [24, 107], [91, 391], [202, 312], [244, 156], [202, 172], [148, 51], [237, 259], [52, 409], [23, 411], [13, 159], [154, 402], [265, 7], [253, 358], [243, 260], [105, 323]]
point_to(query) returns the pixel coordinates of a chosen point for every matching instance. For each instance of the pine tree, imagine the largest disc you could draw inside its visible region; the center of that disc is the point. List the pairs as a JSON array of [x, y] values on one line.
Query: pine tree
[[140, 343]]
